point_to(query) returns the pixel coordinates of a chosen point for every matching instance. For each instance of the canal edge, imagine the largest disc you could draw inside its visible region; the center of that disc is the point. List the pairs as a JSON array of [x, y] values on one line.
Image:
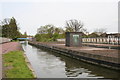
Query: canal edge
[[68, 53], [29, 65], [28, 62]]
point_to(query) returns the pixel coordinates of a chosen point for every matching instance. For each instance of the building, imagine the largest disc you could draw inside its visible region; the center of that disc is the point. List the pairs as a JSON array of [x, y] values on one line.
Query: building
[[114, 35], [114, 38]]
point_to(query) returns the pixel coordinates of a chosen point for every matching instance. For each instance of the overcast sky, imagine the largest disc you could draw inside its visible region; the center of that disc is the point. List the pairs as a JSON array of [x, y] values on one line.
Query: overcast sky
[[32, 14]]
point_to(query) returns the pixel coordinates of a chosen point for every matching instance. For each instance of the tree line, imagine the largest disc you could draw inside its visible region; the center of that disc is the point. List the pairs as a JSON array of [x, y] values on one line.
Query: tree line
[[9, 28], [49, 33], [52, 33]]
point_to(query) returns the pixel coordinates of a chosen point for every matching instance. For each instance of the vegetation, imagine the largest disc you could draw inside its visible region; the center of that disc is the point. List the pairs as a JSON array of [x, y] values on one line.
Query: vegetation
[[15, 65], [74, 26], [9, 28], [49, 33]]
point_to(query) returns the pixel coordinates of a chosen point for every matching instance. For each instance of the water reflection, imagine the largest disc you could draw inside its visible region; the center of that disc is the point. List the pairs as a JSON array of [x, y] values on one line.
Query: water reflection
[[54, 65], [76, 68]]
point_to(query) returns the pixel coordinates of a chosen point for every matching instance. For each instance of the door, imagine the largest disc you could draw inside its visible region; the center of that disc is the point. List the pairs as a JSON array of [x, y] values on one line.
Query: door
[[76, 40]]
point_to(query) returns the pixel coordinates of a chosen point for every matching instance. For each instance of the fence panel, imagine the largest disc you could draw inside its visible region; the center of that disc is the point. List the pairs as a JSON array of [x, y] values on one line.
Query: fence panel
[[101, 40]]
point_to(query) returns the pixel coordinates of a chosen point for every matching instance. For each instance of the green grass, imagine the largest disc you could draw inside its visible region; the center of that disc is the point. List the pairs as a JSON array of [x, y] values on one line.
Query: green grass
[[15, 65]]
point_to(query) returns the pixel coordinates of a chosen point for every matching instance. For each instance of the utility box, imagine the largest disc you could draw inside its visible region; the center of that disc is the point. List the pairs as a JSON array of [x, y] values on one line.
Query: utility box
[[73, 39]]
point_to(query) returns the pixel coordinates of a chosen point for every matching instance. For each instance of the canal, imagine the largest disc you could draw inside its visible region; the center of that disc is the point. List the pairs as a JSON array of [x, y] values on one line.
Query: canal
[[54, 65]]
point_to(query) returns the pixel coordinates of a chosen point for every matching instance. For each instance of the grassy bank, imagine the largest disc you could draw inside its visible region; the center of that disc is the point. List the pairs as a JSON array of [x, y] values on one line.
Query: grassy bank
[[15, 65]]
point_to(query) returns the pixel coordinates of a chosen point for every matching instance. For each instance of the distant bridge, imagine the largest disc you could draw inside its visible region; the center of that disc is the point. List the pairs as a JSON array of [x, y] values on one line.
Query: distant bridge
[[24, 38]]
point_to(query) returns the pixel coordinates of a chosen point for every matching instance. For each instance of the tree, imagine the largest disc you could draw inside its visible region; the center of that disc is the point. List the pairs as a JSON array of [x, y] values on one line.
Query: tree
[[50, 30], [5, 28], [74, 26], [6, 31], [49, 33], [5, 21], [14, 28], [10, 28], [57, 30]]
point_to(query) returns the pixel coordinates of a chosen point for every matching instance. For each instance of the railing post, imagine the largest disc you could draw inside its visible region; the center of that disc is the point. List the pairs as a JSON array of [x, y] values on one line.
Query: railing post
[[118, 40]]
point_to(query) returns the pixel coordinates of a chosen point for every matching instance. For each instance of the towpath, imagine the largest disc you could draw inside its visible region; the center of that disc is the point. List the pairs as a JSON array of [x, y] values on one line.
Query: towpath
[[5, 48]]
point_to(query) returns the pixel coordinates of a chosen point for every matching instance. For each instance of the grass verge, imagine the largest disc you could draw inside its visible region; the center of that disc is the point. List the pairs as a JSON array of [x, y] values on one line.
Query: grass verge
[[15, 65]]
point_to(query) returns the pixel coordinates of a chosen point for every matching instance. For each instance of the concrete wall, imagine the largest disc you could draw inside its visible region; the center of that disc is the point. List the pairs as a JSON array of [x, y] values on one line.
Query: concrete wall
[[105, 61], [3, 40]]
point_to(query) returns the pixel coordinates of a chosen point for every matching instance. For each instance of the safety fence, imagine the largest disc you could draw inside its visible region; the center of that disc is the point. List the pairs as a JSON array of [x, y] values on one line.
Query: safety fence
[[98, 40], [101, 40]]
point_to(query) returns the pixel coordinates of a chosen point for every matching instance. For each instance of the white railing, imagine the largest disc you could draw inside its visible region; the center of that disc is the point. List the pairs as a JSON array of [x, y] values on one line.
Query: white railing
[[98, 40], [61, 40], [101, 40]]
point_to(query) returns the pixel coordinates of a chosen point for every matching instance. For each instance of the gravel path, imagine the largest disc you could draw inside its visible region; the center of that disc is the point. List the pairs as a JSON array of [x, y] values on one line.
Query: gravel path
[[5, 48]]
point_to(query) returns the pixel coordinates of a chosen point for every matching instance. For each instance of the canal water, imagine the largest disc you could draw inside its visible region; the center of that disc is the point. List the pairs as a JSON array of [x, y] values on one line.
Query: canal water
[[54, 65]]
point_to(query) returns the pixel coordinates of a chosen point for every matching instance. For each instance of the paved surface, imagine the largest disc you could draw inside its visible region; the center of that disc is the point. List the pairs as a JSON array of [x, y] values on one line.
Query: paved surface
[[11, 46], [110, 46], [95, 44], [7, 47], [90, 50], [102, 44], [93, 50]]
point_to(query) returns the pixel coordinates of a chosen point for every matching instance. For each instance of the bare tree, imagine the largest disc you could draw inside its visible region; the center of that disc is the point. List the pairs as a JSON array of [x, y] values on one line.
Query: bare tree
[[74, 25], [6, 21]]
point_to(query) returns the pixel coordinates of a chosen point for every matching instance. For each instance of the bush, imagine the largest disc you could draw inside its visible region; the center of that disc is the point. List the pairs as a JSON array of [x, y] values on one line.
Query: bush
[[48, 37]]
